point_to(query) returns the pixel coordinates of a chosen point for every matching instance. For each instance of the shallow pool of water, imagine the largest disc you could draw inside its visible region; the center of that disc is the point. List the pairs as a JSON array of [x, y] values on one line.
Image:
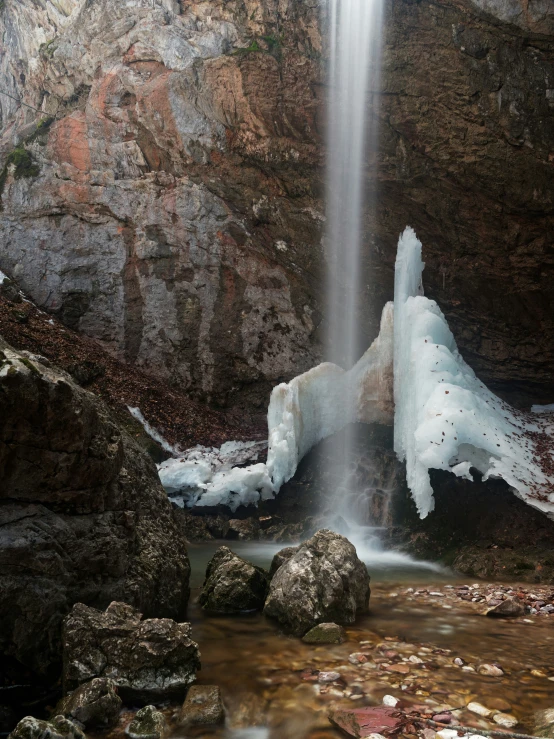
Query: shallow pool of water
[[260, 669]]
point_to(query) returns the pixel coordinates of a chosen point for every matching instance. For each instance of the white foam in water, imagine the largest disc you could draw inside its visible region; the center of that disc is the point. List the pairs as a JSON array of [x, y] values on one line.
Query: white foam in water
[[445, 418]]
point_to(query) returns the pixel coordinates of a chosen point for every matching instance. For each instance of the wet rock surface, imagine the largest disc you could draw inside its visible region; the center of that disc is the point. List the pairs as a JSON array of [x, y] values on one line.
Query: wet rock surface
[[325, 634], [95, 705], [148, 723], [232, 584], [148, 660], [203, 706], [544, 723], [57, 728], [83, 516], [323, 581]]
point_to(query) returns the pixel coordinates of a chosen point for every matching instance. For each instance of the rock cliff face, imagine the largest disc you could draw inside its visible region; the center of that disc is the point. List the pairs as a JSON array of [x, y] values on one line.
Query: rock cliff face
[[83, 516], [170, 204]]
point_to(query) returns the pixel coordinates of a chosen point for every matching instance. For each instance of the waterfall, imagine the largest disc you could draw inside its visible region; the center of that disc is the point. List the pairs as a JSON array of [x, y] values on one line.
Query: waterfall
[[355, 31]]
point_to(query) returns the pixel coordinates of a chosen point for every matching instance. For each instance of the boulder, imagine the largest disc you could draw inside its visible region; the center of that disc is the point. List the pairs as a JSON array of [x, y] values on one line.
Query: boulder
[[509, 608], [57, 728], [82, 513], [280, 558], [232, 584], [95, 704], [148, 660], [325, 634], [323, 581], [203, 705], [148, 724]]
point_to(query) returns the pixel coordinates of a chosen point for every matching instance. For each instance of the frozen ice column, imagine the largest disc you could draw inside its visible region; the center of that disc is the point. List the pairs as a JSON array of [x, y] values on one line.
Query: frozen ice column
[[445, 418]]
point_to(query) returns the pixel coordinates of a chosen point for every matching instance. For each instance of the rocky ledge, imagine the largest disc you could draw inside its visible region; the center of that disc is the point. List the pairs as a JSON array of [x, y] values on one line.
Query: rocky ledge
[[83, 516]]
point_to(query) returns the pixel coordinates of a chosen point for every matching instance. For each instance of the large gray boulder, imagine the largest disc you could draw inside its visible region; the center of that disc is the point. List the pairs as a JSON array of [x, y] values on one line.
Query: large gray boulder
[[232, 584], [148, 660], [95, 704], [83, 516], [324, 581]]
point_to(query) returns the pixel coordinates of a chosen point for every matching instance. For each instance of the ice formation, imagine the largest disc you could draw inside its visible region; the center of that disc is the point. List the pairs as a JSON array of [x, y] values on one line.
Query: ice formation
[[3, 277], [212, 475], [152, 433], [301, 413], [445, 418]]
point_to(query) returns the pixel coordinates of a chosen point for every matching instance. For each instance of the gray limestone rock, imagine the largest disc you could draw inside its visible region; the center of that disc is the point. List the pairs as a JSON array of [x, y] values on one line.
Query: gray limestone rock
[[95, 705], [280, 558], [232, 584], [148, 723], [325, 634], [57, 728], [323, 581], [509, 608], [148, 660], [203, 705]]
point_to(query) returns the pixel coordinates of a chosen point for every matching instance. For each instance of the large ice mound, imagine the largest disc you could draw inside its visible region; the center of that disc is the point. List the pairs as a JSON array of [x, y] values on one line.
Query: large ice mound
[[445, 418], [301, 413]]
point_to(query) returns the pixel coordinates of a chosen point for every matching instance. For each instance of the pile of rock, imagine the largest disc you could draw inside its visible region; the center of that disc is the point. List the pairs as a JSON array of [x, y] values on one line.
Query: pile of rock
[[322, 581]]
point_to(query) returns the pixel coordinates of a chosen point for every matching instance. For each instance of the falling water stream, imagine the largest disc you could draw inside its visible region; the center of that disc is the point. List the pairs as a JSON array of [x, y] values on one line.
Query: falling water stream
[[355, 33]]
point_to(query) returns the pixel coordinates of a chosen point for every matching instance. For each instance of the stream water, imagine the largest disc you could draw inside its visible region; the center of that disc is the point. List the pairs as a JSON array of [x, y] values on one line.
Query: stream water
[[269, 683]]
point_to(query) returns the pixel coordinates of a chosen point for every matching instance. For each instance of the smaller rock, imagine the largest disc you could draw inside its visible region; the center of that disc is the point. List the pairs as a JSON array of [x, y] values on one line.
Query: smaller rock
[[95, 704], [505, 719], [443, 718], [364, 722], [59, 727], [203, 705], [247, 529], [544, 723], [490, 670], [328, 677], [232, 584], [149, 723], [390, 700], [325, 634], [357, 658], [509, 608], [458, 661], [479, 709]]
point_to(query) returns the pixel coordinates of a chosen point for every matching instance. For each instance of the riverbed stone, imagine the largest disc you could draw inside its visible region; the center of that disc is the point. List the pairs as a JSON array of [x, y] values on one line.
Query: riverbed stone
[[149, 723], [232, 584], [544, 723], [148, 660], [325, 634], [322, 581], [509, 608], [58, 727], [95, 704], [203, 705]]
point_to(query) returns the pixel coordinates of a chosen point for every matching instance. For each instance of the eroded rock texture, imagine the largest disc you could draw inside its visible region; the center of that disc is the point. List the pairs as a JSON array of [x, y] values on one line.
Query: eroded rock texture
[[148, 660], [321, 581], [83, 516], [173, 208]]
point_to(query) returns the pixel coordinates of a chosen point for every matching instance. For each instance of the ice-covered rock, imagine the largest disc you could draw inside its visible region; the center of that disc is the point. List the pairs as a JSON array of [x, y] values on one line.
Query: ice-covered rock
[[301, 413], [445, 418]]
